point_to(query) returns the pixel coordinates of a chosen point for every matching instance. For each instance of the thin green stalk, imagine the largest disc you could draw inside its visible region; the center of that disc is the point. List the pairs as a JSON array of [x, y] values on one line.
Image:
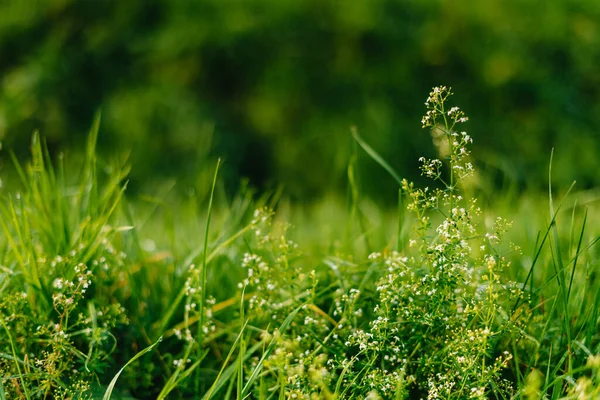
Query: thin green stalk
[[577, 252], [16, 360], [205, 254], [558, 262]]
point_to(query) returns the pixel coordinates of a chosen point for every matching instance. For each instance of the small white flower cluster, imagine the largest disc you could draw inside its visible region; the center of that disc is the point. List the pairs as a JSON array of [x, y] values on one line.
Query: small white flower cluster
[[70, 291], [451, 145], [261, 223], [262, 215], [386, 384], [457, 115], [185, 335], [191, 283], [274, 284], [435, 108], [345, 309], [258, 272], [304, 371], [431, 168], [436, 98], [180, 362]]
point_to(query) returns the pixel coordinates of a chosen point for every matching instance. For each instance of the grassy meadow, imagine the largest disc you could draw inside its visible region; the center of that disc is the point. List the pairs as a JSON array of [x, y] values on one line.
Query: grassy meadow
[[462, 291]]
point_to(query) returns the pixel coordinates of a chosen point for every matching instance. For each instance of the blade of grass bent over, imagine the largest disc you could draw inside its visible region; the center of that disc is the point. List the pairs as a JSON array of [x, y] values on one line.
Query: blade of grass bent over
[[375, 156], [112, 384]]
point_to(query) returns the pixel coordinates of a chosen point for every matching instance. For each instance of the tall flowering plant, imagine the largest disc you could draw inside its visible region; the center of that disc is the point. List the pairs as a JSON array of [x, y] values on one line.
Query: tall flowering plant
[[441, 310]]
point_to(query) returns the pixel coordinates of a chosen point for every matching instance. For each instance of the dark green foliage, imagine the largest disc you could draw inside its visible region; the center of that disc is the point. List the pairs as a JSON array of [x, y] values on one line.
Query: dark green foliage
[[273, 86]]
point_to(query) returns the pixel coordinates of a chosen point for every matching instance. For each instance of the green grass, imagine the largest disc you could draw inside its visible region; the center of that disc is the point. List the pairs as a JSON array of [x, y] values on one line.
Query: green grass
[[103, 296]]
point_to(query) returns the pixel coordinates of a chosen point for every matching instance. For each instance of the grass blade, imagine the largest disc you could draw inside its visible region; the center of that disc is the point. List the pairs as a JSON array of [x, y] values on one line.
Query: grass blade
[[225, 374], [112, 384], [205, 253], [375, 156], [268, 351]]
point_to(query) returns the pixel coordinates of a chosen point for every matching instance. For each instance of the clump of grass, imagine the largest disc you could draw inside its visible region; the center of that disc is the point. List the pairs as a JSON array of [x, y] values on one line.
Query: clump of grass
[[60, 267]]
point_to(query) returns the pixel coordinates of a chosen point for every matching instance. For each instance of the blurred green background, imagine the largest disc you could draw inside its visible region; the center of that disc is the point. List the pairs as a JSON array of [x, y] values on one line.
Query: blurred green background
[[273, 86]]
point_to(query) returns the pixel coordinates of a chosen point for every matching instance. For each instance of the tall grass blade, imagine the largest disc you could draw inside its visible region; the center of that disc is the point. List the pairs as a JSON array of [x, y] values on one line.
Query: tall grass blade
[[559, 267], [355, 212], [375, 156], [577, 252], [225, 374], [205, 253], [16, 360]]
